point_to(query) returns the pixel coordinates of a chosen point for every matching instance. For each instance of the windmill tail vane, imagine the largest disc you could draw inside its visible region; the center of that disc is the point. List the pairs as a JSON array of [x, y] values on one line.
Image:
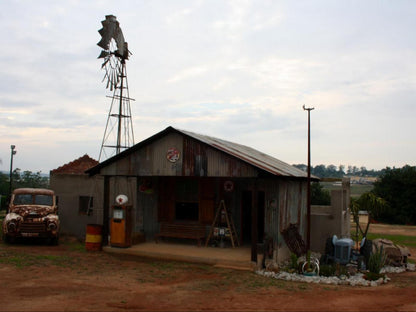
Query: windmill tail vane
[[111, 30], [115, 51]]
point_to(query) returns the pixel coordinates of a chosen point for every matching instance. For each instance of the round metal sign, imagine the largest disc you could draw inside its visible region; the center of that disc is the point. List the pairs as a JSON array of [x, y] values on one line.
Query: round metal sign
[[172, 155]]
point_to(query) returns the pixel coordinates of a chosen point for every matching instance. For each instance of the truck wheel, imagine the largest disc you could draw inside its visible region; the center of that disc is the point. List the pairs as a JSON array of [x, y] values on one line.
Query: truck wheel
[[7, 239], [54, 241]]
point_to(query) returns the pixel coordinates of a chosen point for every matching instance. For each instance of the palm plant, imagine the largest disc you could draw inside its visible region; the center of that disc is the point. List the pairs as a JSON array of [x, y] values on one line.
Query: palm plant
[[368, 202]]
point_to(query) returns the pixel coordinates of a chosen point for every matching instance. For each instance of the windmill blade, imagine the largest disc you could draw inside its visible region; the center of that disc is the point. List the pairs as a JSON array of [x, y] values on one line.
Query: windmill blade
[[103, 54], [116, 78], [112, 82], [108, 82], [104, 63]]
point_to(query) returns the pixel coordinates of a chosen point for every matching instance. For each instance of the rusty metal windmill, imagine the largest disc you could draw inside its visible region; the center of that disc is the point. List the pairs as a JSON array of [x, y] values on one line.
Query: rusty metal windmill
[[118, 134]]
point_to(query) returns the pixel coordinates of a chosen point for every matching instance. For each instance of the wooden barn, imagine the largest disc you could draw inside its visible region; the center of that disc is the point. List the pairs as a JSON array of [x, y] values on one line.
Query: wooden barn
[[180, 178]]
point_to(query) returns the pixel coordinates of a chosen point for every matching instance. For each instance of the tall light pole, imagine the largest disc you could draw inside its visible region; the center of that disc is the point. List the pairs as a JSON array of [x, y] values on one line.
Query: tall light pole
[[308, 224], [12, 153]]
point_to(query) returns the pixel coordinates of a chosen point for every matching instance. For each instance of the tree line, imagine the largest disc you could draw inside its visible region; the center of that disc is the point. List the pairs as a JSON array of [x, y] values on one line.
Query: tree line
[[395, 187], [340, 171], [20, 179]]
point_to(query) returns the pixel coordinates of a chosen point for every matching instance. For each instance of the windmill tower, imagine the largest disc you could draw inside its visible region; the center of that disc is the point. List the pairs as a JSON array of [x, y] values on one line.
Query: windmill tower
[[118, 134]]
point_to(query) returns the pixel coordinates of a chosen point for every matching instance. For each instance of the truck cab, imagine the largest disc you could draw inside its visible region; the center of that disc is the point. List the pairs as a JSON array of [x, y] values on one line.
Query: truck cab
[[32, 212]]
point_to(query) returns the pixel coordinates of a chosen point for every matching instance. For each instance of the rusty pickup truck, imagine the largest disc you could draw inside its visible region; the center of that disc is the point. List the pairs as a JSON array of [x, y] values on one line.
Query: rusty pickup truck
[[32, 213]]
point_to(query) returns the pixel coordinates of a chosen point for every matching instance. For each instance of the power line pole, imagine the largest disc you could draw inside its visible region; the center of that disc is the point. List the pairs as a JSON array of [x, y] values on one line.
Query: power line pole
[[308, 224], [12, 153]]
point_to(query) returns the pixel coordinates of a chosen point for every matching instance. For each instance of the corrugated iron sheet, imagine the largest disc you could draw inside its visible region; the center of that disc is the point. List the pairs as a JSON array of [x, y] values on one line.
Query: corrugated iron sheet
[[249, 155], [197, 164]]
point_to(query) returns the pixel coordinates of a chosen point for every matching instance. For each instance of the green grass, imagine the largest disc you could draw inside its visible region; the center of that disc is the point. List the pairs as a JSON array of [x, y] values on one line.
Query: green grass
[[409, 241], [403, 240], [79, 247], [22, 260], [356, 189]]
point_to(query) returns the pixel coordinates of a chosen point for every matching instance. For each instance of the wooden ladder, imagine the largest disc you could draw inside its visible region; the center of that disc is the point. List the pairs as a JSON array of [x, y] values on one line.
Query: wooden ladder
[[221, 214]]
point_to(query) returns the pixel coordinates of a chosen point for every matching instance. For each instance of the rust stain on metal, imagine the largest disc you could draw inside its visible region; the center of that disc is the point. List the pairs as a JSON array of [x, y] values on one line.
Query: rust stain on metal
[[194, 159]]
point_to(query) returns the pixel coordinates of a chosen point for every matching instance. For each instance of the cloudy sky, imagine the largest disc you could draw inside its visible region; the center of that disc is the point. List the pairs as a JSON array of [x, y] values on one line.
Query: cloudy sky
[[237, 70]]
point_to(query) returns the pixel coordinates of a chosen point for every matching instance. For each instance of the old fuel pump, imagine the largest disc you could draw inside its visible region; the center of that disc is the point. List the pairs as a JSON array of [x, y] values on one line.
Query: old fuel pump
[[121, 223]]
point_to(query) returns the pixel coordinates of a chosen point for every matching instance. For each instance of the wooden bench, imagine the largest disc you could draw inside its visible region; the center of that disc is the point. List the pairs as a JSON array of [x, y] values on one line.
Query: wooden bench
[[182, 230]]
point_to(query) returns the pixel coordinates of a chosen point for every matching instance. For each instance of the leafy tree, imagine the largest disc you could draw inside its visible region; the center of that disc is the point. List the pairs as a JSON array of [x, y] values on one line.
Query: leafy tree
[[398, 188], [20, 179], [319, 195], [302, 167], [363, 171], [371, 203], [341, 169], [4, 189], [332, 171], [4, 183], [319, 171], [29, 179]]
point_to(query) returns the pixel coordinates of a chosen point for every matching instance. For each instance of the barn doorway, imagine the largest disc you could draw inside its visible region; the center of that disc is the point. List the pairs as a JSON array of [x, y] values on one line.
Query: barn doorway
[[247, 216]]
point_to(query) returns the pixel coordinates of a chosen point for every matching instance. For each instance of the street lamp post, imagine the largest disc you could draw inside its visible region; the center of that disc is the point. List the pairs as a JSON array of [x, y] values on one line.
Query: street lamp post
[[308, 224], [12, 153]]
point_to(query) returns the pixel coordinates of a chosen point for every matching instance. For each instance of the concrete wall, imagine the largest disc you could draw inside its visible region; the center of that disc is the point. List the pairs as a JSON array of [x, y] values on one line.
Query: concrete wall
[[335, 219], [68, 188]]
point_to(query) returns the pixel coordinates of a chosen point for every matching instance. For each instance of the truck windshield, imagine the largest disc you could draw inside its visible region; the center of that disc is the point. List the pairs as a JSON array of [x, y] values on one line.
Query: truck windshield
[[44, 200], [22, 199], [29, 199]]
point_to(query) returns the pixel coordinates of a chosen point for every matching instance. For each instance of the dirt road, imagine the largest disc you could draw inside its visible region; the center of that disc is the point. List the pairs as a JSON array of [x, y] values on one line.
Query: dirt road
[[38, 277]]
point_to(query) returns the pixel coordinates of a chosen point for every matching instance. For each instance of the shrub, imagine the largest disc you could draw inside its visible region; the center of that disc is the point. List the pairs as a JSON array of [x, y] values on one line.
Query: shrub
[[327, 270], [376, 261], [293, 261]]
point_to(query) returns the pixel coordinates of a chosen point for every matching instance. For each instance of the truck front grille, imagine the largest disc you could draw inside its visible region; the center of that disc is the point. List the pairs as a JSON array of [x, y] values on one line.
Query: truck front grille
[[32, 227]]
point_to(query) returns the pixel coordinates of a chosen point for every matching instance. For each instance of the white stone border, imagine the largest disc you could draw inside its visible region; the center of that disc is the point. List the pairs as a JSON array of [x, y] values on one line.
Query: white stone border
[[355, 280]]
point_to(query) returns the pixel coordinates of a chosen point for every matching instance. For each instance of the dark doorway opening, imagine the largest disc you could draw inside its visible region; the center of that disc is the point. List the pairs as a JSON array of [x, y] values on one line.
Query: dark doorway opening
[[261, 197], [246, 216]]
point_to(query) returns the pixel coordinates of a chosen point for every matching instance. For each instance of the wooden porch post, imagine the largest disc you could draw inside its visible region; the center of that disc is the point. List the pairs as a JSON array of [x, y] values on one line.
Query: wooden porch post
[[106, 210], [254, 217]]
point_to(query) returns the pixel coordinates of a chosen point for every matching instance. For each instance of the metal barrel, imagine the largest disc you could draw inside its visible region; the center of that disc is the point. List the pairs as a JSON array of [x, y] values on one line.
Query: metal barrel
[[93, 237]]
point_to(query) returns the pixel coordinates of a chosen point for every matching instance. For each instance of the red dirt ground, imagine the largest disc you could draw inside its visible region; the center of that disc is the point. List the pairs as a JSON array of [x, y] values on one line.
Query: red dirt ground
[[37, 277]]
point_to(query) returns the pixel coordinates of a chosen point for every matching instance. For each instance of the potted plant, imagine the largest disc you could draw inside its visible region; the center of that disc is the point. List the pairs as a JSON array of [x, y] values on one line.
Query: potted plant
[[294, 267], [311, 266]]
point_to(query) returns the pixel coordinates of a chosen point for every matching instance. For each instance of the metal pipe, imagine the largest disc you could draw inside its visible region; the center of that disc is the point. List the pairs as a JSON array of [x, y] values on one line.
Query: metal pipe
[[308, 226]]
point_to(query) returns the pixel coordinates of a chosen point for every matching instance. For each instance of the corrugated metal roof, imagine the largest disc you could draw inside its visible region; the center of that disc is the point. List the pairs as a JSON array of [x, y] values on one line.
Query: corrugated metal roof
[[242, 152], [249, 155]]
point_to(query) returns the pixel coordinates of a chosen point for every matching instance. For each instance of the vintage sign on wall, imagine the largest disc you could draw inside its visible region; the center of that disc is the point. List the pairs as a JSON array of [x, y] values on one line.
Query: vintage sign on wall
[[172, 155]]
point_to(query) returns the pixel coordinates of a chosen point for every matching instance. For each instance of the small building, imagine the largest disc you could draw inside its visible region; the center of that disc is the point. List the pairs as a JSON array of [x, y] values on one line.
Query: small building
[[177, 176], [77, 195]]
